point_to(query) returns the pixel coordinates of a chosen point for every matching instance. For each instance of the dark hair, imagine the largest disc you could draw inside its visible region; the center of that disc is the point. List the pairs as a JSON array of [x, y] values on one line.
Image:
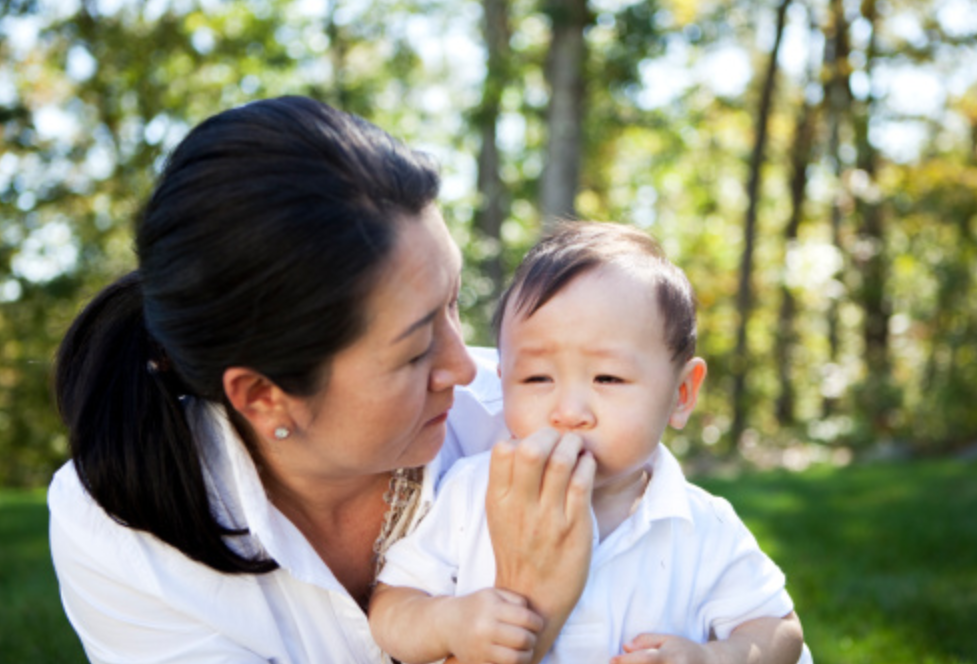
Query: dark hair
[[257, 248], [574, 248]]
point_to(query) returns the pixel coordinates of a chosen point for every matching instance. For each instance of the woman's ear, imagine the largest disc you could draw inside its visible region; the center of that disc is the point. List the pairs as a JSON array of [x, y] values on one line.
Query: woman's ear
[[262, 403], [689, 382]]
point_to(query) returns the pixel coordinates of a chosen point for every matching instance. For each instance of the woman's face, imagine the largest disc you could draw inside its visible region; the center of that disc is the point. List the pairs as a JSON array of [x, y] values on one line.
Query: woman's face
[[387, 397]]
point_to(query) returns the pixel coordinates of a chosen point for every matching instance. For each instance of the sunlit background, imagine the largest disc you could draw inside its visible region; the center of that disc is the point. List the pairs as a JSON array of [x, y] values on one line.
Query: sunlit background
[[843, 244]]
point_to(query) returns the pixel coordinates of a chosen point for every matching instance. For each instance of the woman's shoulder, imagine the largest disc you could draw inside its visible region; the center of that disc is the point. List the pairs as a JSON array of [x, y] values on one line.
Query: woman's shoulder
[[84, 537], [87, 543]]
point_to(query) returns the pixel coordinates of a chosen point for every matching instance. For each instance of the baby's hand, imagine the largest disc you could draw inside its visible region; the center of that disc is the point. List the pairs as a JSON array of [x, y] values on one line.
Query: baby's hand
[[664, 649], [493, 626]]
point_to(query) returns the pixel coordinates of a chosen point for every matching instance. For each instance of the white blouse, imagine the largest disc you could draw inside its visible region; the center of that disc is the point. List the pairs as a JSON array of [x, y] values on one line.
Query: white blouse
[[133, 599]]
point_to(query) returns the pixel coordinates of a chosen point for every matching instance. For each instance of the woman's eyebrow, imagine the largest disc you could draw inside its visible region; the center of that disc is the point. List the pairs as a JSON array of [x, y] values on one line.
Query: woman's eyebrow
[[413, 327]]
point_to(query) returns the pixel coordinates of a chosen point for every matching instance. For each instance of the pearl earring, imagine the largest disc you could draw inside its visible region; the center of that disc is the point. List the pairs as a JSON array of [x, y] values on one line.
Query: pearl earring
[[281, 433]]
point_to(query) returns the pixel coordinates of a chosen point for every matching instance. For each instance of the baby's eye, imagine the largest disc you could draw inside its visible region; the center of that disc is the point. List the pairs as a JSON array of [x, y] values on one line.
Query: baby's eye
[[537, 379], [607, 379]]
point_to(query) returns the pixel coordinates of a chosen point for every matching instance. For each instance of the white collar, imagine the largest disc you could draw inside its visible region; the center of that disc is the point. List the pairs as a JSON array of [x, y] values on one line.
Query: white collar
[[666, 495]]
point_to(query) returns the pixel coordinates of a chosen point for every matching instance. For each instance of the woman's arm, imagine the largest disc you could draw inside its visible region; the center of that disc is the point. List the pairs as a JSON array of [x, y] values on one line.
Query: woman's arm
[[539, 518]]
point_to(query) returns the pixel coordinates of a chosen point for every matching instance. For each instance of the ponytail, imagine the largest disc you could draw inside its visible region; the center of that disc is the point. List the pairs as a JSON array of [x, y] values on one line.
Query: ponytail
[[132, 447]]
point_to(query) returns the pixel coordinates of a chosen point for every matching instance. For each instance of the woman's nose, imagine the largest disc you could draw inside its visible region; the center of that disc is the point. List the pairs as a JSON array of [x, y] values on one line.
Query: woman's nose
[[572, 412], [453, 365]]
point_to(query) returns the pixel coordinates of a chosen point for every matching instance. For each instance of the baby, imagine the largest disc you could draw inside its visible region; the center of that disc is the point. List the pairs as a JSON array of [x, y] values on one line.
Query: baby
[[597, 338]]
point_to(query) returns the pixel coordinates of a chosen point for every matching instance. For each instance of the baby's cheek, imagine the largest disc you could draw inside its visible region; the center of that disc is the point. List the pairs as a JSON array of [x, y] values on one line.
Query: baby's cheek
[[522, 415]]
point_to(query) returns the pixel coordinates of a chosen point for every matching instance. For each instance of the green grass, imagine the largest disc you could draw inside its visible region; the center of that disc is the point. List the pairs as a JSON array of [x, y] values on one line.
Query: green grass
[[881, 561], [33, 628]]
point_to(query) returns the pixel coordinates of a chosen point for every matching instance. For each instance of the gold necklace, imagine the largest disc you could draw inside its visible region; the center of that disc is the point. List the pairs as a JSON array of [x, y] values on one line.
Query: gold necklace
[[402, 497]]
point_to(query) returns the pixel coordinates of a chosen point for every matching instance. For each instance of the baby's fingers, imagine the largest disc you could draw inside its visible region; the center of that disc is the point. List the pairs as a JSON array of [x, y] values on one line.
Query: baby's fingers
[[515, 638], [644, 641], [503, 655], [638, 657], [521, 617]]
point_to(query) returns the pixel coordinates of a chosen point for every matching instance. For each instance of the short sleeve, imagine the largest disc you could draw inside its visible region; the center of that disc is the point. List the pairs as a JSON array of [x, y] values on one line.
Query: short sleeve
[[740, 582], [428, 557]]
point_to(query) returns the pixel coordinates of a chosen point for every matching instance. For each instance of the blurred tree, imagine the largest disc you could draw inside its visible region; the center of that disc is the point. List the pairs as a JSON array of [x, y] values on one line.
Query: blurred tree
[[565, 68], [744, 296], [492, 195], [800, 159], [870, 257], [87, 120], [851, 250], [838, 100]]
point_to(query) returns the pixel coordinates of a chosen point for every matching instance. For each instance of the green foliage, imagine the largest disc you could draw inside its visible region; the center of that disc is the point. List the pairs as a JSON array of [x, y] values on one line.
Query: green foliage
[[90, 107]]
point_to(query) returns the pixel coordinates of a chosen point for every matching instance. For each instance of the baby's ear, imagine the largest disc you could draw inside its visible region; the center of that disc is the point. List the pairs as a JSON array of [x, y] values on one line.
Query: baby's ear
[[689, 381]]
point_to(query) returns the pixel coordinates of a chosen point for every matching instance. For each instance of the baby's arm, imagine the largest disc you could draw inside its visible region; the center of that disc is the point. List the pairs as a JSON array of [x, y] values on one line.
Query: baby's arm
[[489, 625], [757, 641]]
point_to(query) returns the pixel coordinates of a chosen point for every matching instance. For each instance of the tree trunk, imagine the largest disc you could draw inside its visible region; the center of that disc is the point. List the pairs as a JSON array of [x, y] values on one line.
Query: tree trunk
[[338, 95], [744, 297], [493, 202], [871, 261], [837, 96], [787, 334], [565, 75]]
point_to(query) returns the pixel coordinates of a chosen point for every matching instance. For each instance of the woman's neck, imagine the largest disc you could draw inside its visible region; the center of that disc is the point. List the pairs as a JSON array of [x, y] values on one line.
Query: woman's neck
[[341, 519]]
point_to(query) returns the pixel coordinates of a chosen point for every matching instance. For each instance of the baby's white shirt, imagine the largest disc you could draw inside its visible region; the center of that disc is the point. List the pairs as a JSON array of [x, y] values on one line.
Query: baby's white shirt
[[683, 563]]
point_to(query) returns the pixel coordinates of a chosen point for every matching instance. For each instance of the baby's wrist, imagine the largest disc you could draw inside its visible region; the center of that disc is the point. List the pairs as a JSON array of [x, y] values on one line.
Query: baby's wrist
[[722, 652], [442, 621]]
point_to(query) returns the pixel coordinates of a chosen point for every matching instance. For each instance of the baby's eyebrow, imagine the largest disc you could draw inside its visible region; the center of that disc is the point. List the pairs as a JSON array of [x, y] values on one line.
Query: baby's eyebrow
[[609, 352]]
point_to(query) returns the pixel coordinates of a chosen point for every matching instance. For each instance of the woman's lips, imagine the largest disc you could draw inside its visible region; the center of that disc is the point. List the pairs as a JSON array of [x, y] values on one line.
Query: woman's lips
[[440, 418]]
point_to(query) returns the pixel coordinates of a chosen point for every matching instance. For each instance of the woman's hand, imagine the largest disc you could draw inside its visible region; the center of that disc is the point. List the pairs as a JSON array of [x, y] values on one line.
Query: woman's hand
[[538, 511]]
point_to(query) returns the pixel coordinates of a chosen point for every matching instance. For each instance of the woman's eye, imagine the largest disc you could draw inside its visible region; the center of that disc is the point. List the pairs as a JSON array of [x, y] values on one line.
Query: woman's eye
[[420, 356], [606, 379]]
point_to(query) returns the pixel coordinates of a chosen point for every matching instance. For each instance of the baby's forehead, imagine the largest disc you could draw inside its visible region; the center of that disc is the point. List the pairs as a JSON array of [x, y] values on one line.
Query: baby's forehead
[[528, 297], [610, 282]]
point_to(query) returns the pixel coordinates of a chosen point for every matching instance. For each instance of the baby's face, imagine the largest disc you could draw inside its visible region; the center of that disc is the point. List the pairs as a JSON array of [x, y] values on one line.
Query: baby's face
[[593, 361]]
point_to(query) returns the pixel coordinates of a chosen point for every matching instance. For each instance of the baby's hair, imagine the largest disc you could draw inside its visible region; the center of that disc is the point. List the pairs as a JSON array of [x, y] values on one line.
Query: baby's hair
[[574, 248]]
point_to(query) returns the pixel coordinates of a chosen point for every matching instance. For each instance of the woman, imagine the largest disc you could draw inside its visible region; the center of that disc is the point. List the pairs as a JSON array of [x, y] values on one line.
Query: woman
[[269, 400], [241, 407]]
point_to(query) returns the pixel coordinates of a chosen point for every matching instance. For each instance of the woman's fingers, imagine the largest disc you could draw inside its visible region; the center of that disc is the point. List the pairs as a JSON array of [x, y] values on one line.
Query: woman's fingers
[[500, 470], [558, 471], [581, 487], [531, 457]]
